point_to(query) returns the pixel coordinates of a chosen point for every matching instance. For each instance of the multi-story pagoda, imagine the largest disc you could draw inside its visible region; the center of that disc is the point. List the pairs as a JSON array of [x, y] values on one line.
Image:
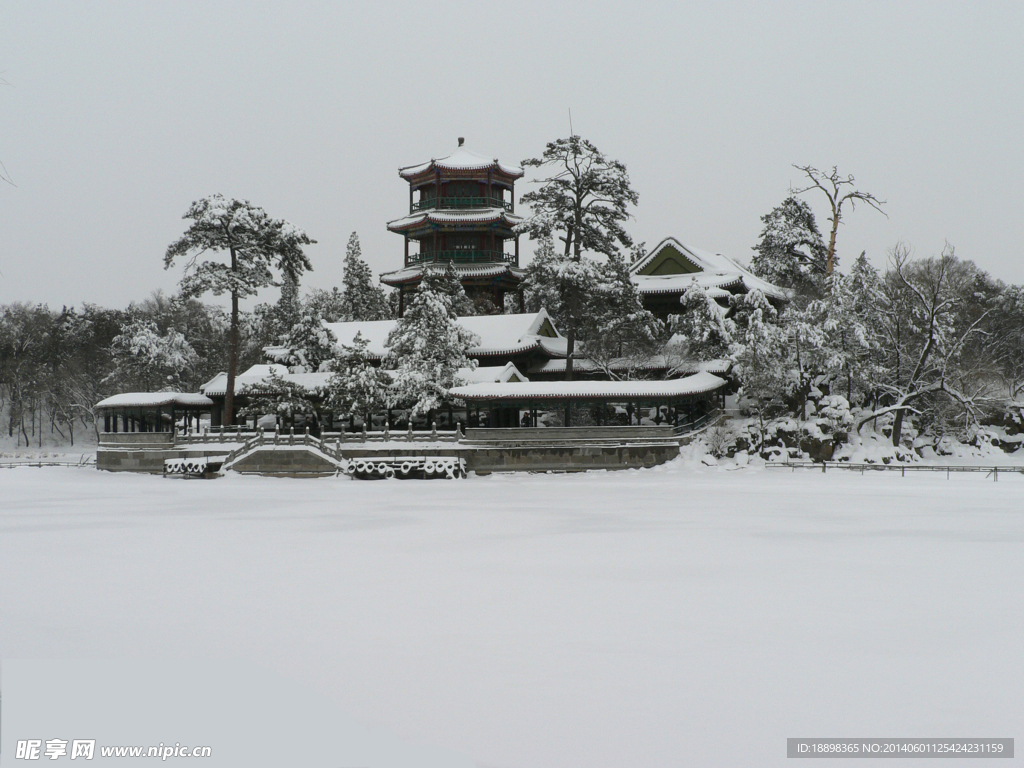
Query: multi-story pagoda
[[461, 211]]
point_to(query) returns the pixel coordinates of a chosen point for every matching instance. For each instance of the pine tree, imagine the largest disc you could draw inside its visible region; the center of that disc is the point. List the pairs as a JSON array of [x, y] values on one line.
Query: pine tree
[[791, 253], [427, 348], [358, 388], [447, 281], [702, 326], [617, 328], [361, 299], [585, 200], [310, 344], [256, 245]]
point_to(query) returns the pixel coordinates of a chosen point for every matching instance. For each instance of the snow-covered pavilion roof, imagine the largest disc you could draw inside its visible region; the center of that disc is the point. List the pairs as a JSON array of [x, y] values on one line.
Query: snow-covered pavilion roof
[[462, 159], [699, 383], [499, 334], [311, 382], [715, 272], [155, 400], [451, 216], [466, 270]]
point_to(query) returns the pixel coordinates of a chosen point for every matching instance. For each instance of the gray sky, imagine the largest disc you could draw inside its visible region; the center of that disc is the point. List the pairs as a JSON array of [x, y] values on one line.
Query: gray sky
[[120, 114]]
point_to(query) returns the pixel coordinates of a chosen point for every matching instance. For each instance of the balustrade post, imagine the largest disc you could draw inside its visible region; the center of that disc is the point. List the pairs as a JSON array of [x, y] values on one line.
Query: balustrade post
[[433, 430], [364, 430], [291, 435], [408, 433], [387, 431], [459, 434]]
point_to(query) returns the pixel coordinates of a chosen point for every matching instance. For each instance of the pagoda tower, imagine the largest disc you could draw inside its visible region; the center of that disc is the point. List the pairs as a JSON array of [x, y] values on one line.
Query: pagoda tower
[[461, 211]]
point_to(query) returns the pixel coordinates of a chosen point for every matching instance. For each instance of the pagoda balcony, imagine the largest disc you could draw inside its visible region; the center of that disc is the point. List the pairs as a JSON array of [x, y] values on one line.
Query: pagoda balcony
[[461, 202], [463, 257]]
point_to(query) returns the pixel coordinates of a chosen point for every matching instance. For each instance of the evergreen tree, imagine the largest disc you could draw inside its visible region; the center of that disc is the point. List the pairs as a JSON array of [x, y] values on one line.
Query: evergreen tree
[[361, 299], [584, 201], [617, 328], [310, 344], [358, 388], [256, 244], [427, 348], [329, 305], [702, 326], [447, 281], [791, 253], [276, 396]]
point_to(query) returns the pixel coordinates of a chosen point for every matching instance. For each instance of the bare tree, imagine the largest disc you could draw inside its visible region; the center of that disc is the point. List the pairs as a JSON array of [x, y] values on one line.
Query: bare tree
[[835, 187], [919, 308]]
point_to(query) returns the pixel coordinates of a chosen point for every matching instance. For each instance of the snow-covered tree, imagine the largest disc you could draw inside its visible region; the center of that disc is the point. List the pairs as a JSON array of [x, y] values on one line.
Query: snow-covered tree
[[617, 329], [148, 360], [276, 396], [310, 344], [447, 281], [329, 305], [256, 245], [702, 326], [791, 253], [362, 299], [427, 348], [584, 201], [925, 331], [358, 386], [758, 353]]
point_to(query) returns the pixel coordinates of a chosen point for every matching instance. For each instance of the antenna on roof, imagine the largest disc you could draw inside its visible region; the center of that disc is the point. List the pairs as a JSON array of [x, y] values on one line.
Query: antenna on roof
[[461, 141]]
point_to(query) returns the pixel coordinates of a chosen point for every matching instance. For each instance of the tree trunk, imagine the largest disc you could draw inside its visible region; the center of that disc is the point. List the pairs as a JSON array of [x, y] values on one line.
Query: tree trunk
[[229, 396], [897, 429], [832, 243], [570, 346]]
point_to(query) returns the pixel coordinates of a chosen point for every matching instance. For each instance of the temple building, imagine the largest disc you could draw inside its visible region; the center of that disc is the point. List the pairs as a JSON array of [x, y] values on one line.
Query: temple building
[[461, 211], [664, 274]]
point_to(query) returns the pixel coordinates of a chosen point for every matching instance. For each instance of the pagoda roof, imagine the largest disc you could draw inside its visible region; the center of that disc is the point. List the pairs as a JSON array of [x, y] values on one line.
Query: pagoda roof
[[461, 159], [455, 216], [415, 273]]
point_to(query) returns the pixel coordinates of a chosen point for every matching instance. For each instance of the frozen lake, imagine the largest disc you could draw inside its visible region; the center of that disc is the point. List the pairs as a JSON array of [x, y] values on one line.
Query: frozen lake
[[657, 618]]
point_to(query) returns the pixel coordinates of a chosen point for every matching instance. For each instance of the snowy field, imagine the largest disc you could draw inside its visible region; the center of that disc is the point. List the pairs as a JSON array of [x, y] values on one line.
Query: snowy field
[[676, 616]]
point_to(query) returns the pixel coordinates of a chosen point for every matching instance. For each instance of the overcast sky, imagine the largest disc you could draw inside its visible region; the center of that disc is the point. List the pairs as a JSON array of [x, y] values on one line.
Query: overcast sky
[[119, 114]]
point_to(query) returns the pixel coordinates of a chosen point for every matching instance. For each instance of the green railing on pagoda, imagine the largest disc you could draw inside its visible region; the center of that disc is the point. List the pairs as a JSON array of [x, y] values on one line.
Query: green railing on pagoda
[[492, 257], [461, 202]]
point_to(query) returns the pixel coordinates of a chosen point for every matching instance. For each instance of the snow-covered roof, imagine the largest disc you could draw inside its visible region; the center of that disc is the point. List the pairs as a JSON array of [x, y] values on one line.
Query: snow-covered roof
[[491, 374], [462, 159], [585, 365], [416, 271], [455, 216], [499, 334], [720, 283], [714, 271], [697, 384], [155, 400], [218, 385]]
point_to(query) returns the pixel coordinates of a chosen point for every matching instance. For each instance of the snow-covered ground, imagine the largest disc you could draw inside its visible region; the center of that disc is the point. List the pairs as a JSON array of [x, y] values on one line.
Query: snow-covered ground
[[675, 616]]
